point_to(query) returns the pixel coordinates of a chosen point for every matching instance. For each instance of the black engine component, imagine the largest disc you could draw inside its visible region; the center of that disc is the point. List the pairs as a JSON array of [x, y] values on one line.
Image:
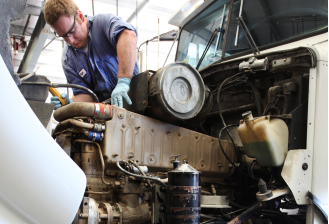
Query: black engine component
[[183, 196]]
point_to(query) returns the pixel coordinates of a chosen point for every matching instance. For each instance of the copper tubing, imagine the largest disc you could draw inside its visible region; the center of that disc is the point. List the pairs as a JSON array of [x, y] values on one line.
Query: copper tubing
[[71, 122], [100, 156], [98, 193], [140, 170], [139, 176], [78, 109]]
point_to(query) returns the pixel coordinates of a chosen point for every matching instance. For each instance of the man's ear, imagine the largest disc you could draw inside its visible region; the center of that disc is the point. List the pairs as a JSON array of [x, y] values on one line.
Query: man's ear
[[80, 17]]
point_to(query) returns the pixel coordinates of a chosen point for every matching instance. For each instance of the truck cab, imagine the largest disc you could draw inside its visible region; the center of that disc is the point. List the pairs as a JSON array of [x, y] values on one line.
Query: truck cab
[[266, 48]]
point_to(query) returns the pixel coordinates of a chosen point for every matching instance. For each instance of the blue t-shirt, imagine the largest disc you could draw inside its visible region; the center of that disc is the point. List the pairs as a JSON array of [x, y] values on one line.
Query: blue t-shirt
[[96, 69]]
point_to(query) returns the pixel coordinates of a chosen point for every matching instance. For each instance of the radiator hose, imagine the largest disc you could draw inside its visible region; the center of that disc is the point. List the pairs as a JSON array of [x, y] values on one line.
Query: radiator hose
[[95, 110]]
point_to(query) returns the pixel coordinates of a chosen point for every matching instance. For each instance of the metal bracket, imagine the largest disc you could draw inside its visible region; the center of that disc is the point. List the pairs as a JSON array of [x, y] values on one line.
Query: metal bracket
[[90, 209], [275, 194], [248, 35], [220, 31], [238, 26], [297, 173], [213, 201], [121, 215]]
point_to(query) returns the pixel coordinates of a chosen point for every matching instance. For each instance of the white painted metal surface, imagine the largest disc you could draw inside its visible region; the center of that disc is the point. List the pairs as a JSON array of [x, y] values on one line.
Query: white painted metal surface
[[321, 39], [320, 138], [298, 180], [315, 178], [39, 182], [177, 18]]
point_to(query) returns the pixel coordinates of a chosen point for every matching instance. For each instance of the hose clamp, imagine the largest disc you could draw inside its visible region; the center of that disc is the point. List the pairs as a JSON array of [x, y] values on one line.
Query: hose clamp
[[97, 108], [102, 111], [94, 136], [95, 127]]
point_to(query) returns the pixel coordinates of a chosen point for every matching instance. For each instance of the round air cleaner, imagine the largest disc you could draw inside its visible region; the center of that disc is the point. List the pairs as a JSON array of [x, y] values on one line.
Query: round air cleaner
[[177, 90]]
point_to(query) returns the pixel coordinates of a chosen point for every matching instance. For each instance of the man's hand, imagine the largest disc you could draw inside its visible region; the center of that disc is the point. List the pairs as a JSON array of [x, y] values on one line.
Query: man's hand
[[121, 90], [55, 100]]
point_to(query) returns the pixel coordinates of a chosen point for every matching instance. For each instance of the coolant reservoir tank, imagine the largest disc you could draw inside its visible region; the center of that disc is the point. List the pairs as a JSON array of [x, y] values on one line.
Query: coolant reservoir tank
[[264, 138]]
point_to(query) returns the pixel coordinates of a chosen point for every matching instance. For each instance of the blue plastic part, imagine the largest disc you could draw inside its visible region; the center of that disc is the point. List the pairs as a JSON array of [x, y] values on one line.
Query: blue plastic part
[[91, 136], [98, 136]]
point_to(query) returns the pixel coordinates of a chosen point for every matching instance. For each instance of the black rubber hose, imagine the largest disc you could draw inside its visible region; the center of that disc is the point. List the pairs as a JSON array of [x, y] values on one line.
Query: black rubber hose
[[139, 176], [258, 98], [221, 146], [57, 85], [219, 109], [286, 103], [273, 108], [237, 205], [249, 212], [85, 109]]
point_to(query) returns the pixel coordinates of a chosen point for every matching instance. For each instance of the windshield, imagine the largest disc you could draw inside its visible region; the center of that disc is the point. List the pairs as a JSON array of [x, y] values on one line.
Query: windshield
[[267, 21], [196, 35]]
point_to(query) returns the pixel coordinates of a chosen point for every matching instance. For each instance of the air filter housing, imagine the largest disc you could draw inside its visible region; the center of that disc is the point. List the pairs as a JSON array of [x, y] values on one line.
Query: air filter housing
[[177, 92]]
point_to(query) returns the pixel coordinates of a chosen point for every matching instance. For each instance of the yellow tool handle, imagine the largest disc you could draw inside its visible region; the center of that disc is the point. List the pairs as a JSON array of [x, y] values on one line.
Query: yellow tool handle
[[54, 92]]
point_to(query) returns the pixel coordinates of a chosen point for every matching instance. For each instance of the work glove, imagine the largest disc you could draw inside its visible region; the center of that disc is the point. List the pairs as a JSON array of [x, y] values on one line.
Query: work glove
[[55, 100], [121, 90]]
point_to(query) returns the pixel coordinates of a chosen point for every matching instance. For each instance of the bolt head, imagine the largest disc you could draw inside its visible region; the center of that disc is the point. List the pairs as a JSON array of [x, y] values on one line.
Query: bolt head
[[305, 166]]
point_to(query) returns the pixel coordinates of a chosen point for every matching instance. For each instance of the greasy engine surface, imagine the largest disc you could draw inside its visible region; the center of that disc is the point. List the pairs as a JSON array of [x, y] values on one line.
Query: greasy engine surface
[[107, 148]]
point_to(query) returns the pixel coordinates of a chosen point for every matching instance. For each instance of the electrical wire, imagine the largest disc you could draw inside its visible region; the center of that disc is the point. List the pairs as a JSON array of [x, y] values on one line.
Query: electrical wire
[[233, 85], [267, 105], [250, 171], [235, 82], [58, 85], [230, 213], [211, 220], [272, 108], [219, 109], [221, 146], [139, 176], [258, 98]]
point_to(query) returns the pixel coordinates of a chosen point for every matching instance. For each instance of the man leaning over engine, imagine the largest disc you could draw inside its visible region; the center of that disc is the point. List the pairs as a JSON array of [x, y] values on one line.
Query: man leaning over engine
[[100, 52]]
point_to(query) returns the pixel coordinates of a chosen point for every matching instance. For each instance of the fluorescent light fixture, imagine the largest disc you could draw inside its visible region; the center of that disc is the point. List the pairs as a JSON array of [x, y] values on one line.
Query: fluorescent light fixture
[[186, 7]]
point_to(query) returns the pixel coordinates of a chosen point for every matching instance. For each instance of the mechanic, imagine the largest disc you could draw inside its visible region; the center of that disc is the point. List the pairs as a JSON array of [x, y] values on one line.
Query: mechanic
[[100, 53]]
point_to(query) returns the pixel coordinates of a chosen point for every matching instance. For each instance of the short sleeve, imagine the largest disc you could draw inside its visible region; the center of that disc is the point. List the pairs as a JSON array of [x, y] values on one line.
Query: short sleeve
[[113, 27], [72, 76]]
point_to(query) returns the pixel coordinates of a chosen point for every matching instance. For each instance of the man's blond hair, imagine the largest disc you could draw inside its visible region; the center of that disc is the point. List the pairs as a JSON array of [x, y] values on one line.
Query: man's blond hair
[[54, 9]]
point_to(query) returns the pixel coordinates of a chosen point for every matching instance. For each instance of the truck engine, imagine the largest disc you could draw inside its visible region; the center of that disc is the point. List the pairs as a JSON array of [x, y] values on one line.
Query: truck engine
[[226, 143]]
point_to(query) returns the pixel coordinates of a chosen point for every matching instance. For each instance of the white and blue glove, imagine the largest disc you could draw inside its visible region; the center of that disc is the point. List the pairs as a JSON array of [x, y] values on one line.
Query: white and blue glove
[[121, 90], [55, 100]]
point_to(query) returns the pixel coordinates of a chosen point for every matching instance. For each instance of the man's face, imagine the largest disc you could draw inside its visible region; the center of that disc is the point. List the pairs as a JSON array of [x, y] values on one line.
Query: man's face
[[72, 29]]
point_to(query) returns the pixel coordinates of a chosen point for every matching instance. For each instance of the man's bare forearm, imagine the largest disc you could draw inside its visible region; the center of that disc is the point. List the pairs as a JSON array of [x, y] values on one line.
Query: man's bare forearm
[[126, 50], [83, 98]]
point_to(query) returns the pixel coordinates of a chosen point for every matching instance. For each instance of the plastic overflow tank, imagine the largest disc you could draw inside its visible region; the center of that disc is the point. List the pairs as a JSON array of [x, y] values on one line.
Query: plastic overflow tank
[[264, 138], [39, 182]]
